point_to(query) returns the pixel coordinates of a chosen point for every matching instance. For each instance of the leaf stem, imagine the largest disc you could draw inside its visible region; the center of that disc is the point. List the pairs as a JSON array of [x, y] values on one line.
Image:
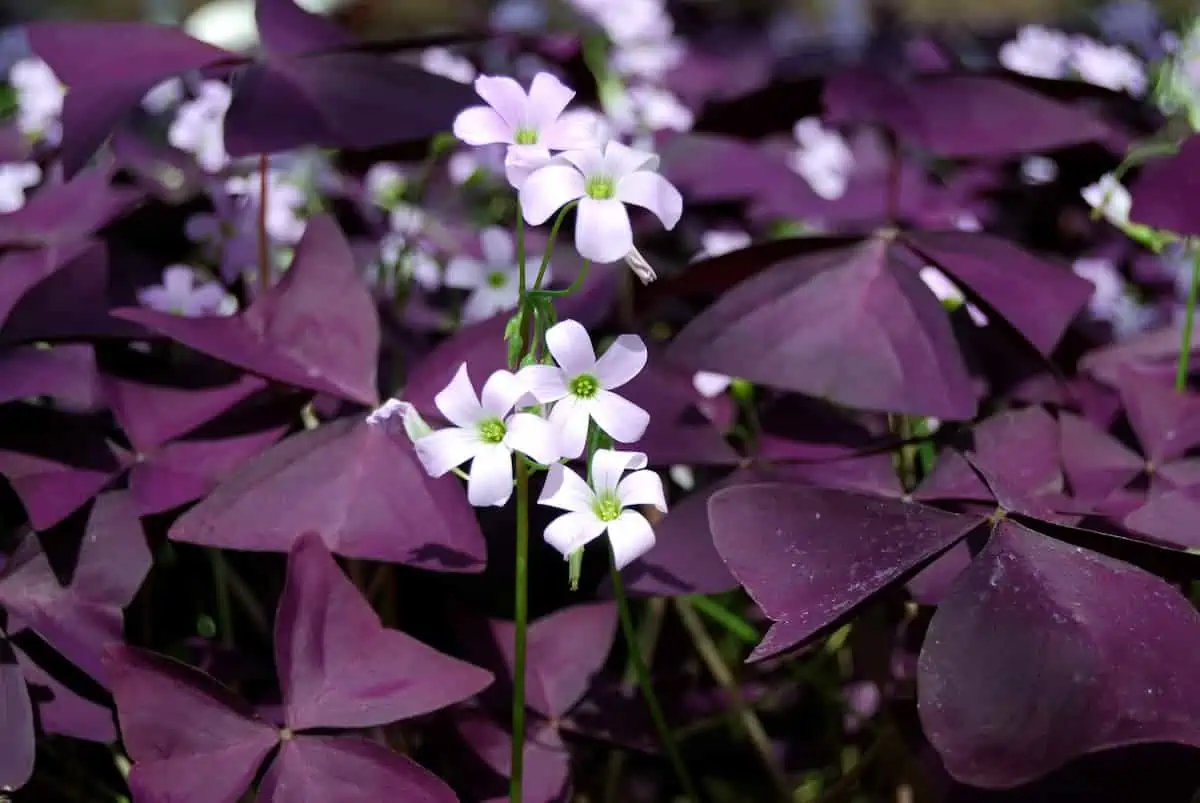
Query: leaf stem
[[711, 656], [1189, 323], [644, 683], [220, 574]]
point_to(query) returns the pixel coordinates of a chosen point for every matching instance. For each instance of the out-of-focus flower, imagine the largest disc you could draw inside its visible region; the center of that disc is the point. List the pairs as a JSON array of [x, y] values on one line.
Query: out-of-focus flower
[[606, 505], [408, 259], [285, 203], [650, 108], [385, 183], [40, 98], [949, 294], [863, 699], [199, 126], [180, 294], [395, 411], [494, 281], [1038, 51], [163, 96], [709, 384], [715, 242], [1038, 169], [581, 387], [448, 64], [15, 179], [1111, 198], [1110, 300], [823, 159], [603, 182], [1110, 66]]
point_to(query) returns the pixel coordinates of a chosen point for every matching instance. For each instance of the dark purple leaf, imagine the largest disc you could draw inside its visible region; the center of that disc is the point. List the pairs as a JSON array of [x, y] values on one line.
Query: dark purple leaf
[[808, 556], [547, 763], [1166, 421], [65, 373], [21, 269], [60, 710], [151, 415], [16, 723], [60, 214], [1096, 464], [339, 667], [1163, 194], [959, 116], [362, 490], [1044, 651], [320, 769], [286, 29], [847, 325], [1038, 297], [316, 329], [189, 737], [565, 650], [1170, 517], [1150, 349]]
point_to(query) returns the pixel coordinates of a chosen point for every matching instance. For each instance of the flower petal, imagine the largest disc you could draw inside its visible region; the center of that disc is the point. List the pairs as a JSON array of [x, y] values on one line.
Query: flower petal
[[590, 161], [457, 401], [571, 531], [497, 246], [505, 96], [547, 190], [620, 160], [464, 273], [491, 478], [486, 302], [652, 191], [481, 125], [623, 420], [521, 161], [534, 436], [631, 537], [178, 280], [443, 449], [570, 419], [571, 347], [609, 464], [548, 99], [642, 488], [501, 392], [624, 360], [546, 382], [566, 490], [602, 230]]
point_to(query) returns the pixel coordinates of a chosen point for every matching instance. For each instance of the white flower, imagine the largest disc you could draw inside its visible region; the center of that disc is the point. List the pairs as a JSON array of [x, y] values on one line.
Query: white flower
[[15, 179], [1110, 66], [486, 432], [604, 506], [39, 99], [603, 182], [1038, 169], [1111, 198], [965, 221], [493, 282], [385, 183], [199, 126], [1037, 51], [394, 411], [947, 291], [448, 64], [581, 386], [163, 96], [709, 384], [285, 203], [397, 250], [823, 159], [180, 294], [717, 242], [652, 108]]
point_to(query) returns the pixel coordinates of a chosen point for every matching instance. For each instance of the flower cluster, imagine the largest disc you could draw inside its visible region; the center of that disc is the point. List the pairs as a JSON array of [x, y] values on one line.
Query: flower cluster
[[39, 96], [199, 126], [1047, 53]]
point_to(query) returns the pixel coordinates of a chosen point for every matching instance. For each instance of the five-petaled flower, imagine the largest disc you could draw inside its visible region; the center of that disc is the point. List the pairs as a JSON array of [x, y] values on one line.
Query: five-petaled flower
[[531, 123], [486, 432], [603, 182], [604, 505], [494, 281], [180, 294], [581, 387]]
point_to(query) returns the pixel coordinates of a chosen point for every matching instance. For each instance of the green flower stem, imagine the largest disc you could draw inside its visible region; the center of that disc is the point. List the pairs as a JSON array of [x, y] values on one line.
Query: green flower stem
[[711, 656], [643, 677], [521, 615], [1189, 322], [221, 590], [541, 274], [727, 619]]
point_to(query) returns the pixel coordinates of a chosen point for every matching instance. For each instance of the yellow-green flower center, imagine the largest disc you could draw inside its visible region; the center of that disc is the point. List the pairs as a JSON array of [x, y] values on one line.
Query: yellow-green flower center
[[497, 279], [525, 136], [492, 431], [584, 386], [601, 188], [607, 508]]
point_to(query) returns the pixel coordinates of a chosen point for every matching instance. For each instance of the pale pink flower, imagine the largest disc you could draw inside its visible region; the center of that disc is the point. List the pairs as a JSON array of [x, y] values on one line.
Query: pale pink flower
[[716, 242], [15, 179], [39, 96], [180, 294], [1111, 198], [494, 281], [448, 64], [603, 182], [581, 387], [823, 158], [199, 126], [486, 432], [1110, 66], [1038, 51], [385, 183], [709, 384], [605, 506], [395, 416]]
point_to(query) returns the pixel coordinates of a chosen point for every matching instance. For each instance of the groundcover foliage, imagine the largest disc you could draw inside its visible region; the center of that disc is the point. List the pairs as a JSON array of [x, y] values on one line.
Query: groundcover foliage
[[628, 410]]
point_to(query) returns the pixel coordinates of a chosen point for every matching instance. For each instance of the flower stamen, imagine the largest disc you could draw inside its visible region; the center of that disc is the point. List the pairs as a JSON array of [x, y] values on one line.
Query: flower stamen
[[601, 188], [492, 431], [608, 508], [584, 386]]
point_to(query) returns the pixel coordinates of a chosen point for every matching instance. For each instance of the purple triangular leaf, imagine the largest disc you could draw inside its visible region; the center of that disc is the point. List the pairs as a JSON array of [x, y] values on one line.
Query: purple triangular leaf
[[285, 29], [1044, 651], [808, 556], [565, 650], [339, 667], [66, 373], [1169, 517], [845, 325], [16, 723], [547, 763], [317, 329], [1149, 349], [1166, 421], [151, 415], [189, 737], [1095, 463], [362, 490], [21, 270], [1038, 297], [319, 769], [58, 215], [1163, 194], [61, 711]]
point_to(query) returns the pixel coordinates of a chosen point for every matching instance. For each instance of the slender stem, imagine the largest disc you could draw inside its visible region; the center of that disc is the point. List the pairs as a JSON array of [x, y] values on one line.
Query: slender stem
[[1189, 322], [541, 274], [575, 285], [649, 629], [221, 590], [727, 619], [521, 615], [721, 673], [647, 688], [264, 243]]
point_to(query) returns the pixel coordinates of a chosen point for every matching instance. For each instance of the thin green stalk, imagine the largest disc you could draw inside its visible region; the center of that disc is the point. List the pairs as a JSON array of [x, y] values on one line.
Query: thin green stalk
[[728, 620], [575, 285], [643, 676], [649, 630], [1189, 322], [721, 673], [221, 590], [521, 615], [541, 274]]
